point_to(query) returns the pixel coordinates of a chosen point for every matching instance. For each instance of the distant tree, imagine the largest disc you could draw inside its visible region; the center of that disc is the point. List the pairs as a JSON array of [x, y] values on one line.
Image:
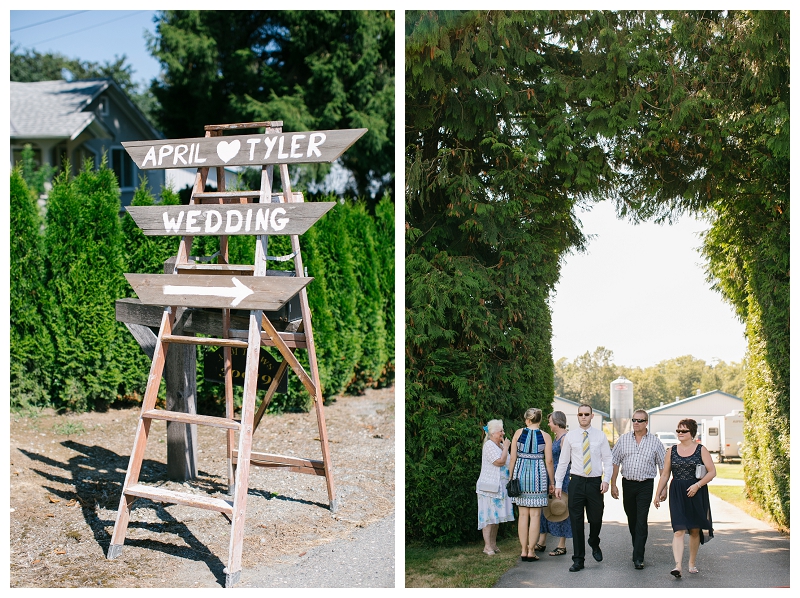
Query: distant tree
[[310, 69]]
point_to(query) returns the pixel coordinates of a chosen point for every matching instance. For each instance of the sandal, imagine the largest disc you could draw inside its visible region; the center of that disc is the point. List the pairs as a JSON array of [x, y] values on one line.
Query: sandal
[[539, 547], [692, 569], [676, 572], [558, 551], [488, 552]]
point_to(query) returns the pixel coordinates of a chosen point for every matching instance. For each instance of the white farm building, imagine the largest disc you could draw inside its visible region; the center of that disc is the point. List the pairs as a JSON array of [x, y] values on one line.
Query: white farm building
[[707, 405]]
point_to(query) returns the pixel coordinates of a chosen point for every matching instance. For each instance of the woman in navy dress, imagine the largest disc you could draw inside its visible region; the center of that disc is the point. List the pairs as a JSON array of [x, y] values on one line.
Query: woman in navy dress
[[558, 529], [532, 464], [689, 508]]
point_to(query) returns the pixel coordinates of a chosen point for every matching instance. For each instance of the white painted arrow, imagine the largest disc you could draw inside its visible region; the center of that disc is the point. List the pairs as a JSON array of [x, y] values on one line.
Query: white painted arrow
[[239, 291]]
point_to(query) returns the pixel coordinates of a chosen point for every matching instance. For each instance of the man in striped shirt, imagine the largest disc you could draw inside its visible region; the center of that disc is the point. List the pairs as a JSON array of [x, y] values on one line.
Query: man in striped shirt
[[640, 455]]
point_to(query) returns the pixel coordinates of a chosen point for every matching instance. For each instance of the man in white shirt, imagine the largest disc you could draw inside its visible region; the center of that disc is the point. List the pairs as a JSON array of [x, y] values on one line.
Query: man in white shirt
[[589, 454], [640, 455]]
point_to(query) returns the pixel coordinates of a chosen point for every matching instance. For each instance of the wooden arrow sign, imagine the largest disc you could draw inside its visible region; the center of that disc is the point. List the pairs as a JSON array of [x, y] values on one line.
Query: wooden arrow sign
[[242, 150], [231, 219], [269, 293]]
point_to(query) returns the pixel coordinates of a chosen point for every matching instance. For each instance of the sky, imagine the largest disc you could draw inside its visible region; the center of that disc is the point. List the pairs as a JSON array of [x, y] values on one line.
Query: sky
[[90, 35], [640, 291]]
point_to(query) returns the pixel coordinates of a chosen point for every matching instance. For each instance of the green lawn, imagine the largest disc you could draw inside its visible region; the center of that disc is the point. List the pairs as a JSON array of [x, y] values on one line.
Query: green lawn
[[730, 471], [458, 566]]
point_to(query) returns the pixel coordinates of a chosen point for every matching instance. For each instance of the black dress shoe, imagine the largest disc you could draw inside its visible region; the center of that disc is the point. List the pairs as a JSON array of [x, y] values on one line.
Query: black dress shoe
[[638, 564], [597, 554], [576, 567]]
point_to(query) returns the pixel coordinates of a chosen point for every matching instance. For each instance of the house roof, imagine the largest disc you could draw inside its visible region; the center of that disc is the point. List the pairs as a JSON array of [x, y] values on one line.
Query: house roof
[[690, 399], [57, 109], [571, 402]]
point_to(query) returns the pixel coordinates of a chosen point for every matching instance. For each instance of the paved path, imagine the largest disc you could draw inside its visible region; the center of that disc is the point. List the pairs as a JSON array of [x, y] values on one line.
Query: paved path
[[363, 560], [744, 553]]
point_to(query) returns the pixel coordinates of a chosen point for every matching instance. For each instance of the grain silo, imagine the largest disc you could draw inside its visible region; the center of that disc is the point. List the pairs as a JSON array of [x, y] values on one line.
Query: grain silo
[[621, 406]]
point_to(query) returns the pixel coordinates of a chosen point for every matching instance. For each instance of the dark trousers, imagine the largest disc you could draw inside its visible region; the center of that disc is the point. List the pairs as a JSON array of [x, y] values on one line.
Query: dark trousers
[[636, 498], [584, 494]]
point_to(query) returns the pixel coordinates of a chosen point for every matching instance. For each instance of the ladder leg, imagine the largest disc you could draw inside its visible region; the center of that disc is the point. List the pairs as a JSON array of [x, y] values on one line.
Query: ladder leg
[[312, 353], [234, 568], [140, 439]]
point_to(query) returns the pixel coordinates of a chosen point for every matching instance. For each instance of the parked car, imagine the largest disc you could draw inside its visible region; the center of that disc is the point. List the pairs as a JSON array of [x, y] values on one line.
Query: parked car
[[668, 439]]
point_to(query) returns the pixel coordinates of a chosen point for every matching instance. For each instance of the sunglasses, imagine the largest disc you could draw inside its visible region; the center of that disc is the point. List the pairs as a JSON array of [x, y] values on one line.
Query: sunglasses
[[681, 431], [584, 414], [638, 421]]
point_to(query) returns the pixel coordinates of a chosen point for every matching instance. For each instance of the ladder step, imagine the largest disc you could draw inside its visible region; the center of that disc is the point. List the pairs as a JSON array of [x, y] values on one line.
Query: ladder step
[[295, 464], [180, 498], [215, 269], [197, 340], [224, 194], [211, 196], [293, 340], [192, 418]]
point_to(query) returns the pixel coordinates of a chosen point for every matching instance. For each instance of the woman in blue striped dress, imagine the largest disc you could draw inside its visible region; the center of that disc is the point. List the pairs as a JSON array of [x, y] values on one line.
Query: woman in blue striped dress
[[532, 464]]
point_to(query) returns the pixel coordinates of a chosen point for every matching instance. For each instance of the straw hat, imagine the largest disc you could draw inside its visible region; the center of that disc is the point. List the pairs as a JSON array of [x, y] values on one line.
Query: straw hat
[[556, 509]]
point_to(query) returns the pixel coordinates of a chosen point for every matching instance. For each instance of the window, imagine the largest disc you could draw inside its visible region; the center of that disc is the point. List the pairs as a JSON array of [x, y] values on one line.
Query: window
[[123, 167]]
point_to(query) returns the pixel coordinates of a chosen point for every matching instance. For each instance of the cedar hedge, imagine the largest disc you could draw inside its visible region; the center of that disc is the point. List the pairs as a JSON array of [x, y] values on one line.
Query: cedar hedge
[[68, 351]]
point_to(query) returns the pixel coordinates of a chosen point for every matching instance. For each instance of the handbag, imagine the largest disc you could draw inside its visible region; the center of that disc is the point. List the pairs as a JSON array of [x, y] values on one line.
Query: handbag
[[513, 488], [493, 487], [700, 471]]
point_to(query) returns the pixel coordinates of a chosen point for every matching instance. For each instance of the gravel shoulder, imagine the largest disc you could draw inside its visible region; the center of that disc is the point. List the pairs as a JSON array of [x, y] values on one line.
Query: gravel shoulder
[[66, 474]]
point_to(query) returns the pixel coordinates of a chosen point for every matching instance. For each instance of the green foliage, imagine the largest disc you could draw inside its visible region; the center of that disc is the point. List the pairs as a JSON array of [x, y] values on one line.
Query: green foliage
[[34, 176], [712, 137], [311, 69], [385, 246], [83, 242], [370, 300], [30, 347], [497, 155]]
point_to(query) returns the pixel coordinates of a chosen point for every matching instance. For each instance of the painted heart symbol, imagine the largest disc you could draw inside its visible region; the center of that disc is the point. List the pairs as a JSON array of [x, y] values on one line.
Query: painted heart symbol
[[226, 151]]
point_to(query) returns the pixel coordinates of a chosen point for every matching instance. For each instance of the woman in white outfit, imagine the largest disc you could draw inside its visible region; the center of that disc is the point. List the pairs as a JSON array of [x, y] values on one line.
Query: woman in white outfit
[[494, 505]]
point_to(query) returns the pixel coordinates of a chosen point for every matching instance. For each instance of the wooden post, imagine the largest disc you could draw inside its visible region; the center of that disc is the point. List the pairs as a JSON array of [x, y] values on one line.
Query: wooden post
[[180, 374]]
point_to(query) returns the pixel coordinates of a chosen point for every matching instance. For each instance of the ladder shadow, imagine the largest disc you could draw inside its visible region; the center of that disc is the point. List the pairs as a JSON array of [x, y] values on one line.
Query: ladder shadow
[[97, 487]]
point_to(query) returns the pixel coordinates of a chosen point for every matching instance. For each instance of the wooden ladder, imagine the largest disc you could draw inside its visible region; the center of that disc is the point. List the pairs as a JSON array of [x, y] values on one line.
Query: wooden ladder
[[261, 331]]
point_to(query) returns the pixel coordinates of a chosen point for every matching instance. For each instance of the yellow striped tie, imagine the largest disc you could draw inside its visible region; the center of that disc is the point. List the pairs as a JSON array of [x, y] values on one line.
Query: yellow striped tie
[[587, 457]]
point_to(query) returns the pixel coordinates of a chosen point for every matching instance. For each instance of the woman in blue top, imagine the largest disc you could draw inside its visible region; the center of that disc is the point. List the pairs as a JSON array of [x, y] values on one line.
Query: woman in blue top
[[558, 529], [532, 464]]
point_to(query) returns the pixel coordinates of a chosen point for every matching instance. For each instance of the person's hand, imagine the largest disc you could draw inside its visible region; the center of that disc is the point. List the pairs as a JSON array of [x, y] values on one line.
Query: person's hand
[[614, 491], [656, 502], [506, 443], [551, 488], [692, 490], [603, 487], [557, 492], [663, 495]]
